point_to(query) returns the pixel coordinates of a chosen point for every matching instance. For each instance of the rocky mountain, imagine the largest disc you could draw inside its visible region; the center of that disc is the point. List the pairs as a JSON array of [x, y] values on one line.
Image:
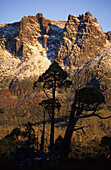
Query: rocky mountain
[[28, 47], [83, 39], [96, 72]]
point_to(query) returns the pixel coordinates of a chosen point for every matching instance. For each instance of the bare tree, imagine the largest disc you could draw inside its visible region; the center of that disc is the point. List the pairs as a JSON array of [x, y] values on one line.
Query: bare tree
[[86, 99], [53, 79], [30, 134], [47, 106], [43, 135]]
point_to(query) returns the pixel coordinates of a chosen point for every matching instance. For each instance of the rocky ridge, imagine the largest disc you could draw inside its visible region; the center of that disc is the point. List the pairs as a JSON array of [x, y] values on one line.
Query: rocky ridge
[[96, 72], [29, 46], [83, 39], [23, 50]]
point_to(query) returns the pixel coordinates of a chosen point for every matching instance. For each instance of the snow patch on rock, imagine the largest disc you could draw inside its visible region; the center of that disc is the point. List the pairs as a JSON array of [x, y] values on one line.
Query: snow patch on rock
[[18, 69]]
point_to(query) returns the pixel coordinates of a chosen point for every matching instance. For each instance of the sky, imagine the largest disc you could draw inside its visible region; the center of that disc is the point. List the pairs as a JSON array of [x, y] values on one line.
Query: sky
[[15, 10]]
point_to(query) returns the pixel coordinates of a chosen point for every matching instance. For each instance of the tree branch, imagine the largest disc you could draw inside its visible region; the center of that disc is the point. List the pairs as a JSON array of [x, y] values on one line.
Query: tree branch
[[46, 94], [97, 115], [93, 114], [45, 132], [89, 115], [82, 128], [49, 115], [86, 116]]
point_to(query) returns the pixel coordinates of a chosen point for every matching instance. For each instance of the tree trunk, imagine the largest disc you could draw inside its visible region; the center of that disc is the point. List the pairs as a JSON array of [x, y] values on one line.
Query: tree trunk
[[43, 134], [52, 125], [65, 148]]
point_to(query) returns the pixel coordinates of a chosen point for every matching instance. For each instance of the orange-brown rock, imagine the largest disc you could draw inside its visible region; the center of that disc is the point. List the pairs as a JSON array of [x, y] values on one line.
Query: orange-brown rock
[[85, 38]]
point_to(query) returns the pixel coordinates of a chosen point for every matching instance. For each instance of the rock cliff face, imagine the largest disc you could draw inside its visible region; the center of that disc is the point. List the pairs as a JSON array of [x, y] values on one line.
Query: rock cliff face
[[96, 72], [83, 39], [23, 38], [28, 47], [109, 35]]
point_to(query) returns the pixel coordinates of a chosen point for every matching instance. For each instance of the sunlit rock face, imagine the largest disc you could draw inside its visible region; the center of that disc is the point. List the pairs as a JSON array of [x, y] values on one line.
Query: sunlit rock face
[[28, 47], [83, 39]]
